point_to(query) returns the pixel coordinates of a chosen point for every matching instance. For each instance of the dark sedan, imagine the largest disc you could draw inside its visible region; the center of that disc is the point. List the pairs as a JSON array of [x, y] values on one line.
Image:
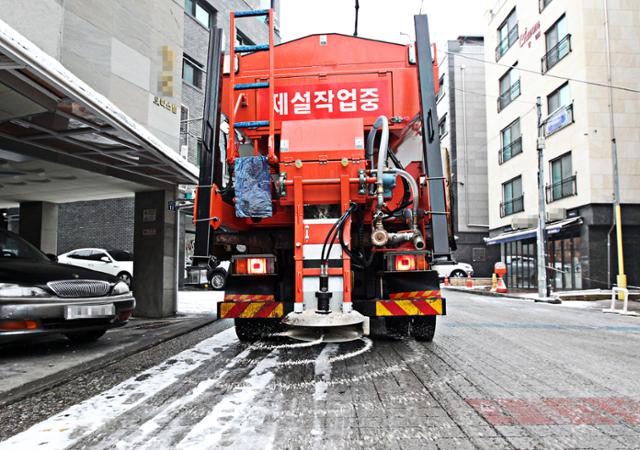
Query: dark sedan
[[40, 296]]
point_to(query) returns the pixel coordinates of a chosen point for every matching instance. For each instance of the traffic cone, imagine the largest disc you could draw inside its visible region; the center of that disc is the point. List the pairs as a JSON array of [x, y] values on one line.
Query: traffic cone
[[446, 281], [494, 282], [469, 281], [502, 287]]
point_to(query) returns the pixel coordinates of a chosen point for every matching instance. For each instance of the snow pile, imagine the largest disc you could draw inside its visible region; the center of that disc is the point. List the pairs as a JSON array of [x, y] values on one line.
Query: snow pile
[[199, 302]]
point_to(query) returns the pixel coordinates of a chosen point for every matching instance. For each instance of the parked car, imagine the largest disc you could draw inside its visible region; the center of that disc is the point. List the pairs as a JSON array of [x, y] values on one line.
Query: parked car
[[40, 296], [217, 276], [115, 262], [453, 269]]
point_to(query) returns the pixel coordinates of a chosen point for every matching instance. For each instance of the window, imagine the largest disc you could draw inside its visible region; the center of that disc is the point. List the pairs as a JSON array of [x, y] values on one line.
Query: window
[[442, 126], [558, 44], [559, 98], [200, 10], [81, 254], [507, 34], [97, 256], [441, 88], [560, 110], [543, 4], [121, 255], [184, 125], [511, 141], [512, 198], [242, 39], [509, 88], [191, 72], [563, 181]]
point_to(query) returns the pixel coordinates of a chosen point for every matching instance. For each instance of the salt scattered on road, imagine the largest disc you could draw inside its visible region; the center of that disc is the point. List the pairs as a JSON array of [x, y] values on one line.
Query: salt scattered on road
[[70, 426], [227, 415]]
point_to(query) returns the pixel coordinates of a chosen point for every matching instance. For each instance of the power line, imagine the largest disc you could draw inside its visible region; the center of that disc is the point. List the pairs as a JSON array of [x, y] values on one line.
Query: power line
[[558, 77]]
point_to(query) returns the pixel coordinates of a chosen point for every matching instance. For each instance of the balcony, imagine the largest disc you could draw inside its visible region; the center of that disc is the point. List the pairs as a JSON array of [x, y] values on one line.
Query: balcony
[[562, 189], [511, 150], [509, 95], [561, 118], [509, 207], [556, 54], [507, 42]]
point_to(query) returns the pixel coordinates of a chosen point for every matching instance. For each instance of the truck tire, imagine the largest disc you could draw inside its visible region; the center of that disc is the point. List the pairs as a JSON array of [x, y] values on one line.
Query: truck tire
[[423, 328], [397, 327], [250, 330]]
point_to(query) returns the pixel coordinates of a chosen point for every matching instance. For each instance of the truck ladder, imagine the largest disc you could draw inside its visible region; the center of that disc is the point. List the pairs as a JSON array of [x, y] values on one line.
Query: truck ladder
[[236, 101]]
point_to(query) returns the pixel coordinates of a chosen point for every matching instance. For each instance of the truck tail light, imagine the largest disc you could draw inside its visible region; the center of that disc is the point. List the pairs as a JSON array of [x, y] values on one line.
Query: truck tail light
[[405, 262], [254, 265]]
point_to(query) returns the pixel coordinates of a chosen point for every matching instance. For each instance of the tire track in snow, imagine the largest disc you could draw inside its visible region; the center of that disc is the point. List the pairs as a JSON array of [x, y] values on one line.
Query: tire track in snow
[[322, 376], [227, 414], [71, 425]]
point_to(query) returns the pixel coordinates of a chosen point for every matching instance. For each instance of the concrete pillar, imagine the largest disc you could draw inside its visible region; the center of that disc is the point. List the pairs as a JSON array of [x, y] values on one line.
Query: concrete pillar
[[39, 225], [154, 251]]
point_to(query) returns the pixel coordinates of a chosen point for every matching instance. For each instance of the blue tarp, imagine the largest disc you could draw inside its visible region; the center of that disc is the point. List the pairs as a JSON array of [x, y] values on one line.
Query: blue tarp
[[253, 187]]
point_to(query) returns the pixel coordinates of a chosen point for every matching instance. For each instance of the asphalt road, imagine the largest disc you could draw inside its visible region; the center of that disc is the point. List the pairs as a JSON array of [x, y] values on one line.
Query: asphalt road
[[501, 373]]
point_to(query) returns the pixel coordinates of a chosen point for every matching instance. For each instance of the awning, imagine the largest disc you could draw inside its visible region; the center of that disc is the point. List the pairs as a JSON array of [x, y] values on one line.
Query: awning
[[46, 112], [530, 233]]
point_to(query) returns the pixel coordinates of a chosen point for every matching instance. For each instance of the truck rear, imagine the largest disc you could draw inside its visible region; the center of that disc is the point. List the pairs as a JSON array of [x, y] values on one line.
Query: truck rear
[[325, 188]]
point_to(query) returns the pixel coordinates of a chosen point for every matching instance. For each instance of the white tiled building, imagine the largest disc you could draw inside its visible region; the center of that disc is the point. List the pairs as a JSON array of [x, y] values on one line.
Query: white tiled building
[[548, 48]]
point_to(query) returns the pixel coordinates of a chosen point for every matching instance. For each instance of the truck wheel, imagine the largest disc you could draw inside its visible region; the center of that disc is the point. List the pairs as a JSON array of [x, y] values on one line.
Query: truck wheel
[[250, 330], [218, 280], [397, 327], [423, 328]]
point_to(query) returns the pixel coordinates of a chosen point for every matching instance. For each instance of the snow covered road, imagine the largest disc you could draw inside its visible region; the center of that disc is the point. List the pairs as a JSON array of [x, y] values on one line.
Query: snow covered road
[[495, 377]]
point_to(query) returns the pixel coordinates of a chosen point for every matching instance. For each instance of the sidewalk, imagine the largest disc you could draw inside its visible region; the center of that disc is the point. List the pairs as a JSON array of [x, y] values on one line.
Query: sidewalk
[[596, 299], [35, 365]]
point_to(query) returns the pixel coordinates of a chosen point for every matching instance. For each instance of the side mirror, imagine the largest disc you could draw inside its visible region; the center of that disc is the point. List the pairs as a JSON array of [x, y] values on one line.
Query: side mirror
[[105, 259], [52, 257]]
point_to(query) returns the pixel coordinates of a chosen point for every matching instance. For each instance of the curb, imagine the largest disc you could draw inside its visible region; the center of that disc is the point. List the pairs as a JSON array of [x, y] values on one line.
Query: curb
[[68, 375], [487, 293]]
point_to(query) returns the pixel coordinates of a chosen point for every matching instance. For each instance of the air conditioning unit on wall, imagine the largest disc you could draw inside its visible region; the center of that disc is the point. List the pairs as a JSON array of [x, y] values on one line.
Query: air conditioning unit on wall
[[519, 223], [556, 214], [184, 151]]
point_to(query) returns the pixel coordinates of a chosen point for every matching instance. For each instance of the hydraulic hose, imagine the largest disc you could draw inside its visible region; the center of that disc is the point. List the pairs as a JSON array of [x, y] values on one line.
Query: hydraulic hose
[[414, 190], [381, 123]]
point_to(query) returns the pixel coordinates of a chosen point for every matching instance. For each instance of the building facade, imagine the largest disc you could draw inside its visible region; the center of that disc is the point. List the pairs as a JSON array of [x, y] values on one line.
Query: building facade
[[150, 60], [462, 125], [556, 50]]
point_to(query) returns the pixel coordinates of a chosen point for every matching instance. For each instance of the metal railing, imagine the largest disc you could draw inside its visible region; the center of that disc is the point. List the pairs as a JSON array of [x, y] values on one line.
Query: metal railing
[[509, 151], [556, 53], [509, 95], [515, 205], [506, 43], [562, 189]]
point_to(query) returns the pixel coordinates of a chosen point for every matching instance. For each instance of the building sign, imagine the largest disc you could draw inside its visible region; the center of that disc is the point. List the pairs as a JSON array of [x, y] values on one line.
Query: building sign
[[165, 82], [525, 38], [558, 120], [329, 100], [166, 104]]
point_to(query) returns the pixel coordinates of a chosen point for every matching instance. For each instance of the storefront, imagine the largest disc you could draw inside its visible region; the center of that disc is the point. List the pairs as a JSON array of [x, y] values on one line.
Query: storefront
[[518, 251]]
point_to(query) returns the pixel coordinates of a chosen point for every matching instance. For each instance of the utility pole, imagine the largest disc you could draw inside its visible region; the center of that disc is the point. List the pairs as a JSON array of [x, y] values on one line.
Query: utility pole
[[617, 212], [543, 288]]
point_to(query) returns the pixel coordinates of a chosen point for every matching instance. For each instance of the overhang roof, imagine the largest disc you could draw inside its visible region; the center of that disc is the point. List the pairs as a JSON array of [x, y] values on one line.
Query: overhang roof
[[46, 112], [530, 233]]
